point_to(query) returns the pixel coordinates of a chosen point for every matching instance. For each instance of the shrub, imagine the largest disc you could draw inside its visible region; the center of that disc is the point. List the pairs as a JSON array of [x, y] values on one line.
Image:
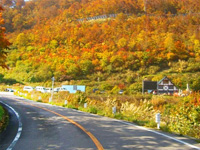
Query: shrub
[[106, 86], [81, 97], [1, 112], [92, 109], [71, 106], [135, 87], [108, 104], [153, 69], [183, 118], [4, 118], [143, 112], [158, 101], [115, 90]]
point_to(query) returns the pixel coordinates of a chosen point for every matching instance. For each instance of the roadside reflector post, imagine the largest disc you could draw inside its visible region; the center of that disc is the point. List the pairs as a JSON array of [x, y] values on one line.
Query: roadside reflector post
[[114, 110], [50, 100], [158, 120], [66, 102], [39, 98], [85, 105]]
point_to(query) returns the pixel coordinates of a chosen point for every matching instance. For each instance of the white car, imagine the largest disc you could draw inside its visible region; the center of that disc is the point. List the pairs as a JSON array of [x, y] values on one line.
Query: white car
[[48, 90], [28, 88], [56, 89], [9, 90], [41, 89], [59, 89]]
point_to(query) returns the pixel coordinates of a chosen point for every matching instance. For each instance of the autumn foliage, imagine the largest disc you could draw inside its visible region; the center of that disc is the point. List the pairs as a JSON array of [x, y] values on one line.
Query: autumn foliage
[[3, 41], [49, 39]]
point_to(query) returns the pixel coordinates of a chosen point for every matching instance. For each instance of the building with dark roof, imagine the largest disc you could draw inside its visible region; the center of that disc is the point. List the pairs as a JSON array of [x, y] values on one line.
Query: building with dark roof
[[165, 85]]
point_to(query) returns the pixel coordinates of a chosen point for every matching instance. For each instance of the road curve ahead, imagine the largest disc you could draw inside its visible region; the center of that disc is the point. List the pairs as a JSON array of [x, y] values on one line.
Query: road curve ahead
[[46, 127]]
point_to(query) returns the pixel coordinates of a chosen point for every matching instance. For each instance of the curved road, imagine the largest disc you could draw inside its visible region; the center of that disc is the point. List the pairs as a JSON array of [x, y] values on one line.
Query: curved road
[[46, 127]]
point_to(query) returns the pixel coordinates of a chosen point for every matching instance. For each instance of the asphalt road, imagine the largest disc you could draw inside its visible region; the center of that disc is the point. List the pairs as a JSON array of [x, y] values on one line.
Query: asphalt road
[[46, 127]]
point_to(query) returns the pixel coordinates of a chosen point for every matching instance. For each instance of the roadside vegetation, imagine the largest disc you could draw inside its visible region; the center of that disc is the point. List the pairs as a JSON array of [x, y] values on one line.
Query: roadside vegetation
[[3, 118], [180, 115]]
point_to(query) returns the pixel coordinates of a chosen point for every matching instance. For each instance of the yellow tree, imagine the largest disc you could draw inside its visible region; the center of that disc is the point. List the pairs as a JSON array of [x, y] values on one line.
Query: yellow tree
[[3, 42]]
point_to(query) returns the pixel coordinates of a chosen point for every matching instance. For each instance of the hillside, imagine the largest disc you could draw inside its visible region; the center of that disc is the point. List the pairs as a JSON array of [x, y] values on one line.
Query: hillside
[[149, 39]]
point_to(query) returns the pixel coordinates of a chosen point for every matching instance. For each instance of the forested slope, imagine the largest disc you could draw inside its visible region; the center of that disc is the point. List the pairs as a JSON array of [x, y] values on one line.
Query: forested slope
[[144, 39]]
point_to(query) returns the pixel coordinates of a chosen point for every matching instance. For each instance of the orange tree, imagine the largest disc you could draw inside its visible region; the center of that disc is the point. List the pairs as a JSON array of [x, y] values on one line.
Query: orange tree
[[3, 41]]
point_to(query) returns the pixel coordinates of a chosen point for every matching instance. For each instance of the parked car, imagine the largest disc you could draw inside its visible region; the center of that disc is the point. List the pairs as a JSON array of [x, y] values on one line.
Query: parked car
[[28, 88], [48, 90], [62, 89], [94, 90], [9, 90], [57, 89], [41, 89], [121, 91]]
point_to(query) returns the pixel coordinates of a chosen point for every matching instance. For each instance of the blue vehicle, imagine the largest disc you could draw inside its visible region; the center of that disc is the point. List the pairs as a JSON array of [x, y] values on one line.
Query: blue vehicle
[[74, 88]]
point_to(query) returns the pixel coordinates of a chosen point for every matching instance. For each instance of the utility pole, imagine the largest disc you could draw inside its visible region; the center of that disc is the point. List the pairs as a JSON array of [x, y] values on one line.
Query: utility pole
[[53, 79]]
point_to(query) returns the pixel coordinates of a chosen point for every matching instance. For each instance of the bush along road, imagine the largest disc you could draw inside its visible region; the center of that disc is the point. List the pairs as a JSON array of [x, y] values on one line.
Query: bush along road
[[3, 118]]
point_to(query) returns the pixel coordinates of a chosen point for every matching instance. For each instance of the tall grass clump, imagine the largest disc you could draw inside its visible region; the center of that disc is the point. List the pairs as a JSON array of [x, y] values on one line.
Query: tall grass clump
[[143, 113]]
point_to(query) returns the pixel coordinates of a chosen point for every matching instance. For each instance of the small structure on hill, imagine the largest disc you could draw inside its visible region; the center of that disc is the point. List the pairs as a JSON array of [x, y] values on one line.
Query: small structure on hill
[[149, 86], [165, 85]]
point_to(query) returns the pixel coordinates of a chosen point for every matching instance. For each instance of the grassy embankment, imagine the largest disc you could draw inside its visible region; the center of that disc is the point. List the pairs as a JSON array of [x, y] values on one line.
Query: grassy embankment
[[3, 118]]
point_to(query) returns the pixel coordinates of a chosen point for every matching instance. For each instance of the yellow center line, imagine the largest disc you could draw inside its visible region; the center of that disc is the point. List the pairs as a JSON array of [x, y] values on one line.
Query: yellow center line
[[93, 138]]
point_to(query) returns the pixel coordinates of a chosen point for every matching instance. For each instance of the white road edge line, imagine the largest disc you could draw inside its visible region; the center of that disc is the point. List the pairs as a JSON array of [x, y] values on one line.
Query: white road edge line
[[149, 130], [19, 128], [167, 136], [143, 128]]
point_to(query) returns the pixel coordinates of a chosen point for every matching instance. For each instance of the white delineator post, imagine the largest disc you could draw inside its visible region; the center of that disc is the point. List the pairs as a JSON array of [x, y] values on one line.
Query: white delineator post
[[158, 120], [85, 105], [50, 100], [114, 110], [40, 98]]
